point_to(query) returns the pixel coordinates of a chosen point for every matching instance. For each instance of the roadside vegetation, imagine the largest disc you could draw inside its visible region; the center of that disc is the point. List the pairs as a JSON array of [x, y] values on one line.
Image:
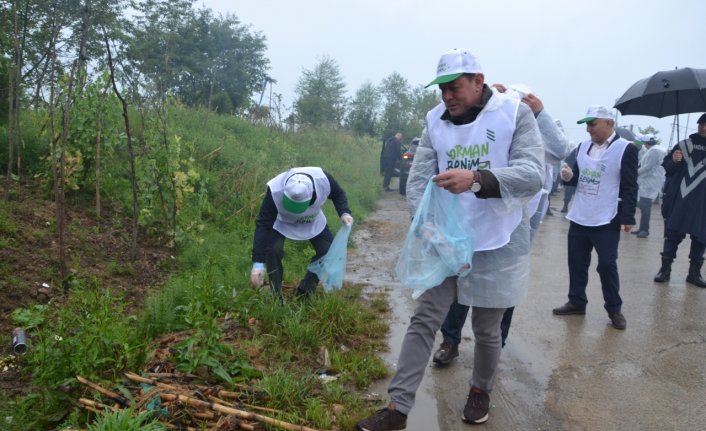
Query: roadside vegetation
[[202, 318], [134, 159]]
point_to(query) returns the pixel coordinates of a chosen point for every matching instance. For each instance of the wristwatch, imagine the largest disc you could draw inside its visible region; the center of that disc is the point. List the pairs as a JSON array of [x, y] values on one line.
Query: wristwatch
[[476, 184]]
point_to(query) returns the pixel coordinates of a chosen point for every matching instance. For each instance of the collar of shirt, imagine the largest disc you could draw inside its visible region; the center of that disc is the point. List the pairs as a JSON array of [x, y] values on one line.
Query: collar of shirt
[[607, 142], [597, 149]]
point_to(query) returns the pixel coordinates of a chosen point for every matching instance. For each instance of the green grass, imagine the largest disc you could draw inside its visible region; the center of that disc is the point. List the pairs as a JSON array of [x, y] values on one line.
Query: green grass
[[208, 295]]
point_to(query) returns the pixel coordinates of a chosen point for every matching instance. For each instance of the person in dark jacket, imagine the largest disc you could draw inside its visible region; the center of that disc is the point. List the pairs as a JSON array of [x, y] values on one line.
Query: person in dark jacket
[[391, 152], [569, 190], [605, 176], [684, 204], [292, 209]]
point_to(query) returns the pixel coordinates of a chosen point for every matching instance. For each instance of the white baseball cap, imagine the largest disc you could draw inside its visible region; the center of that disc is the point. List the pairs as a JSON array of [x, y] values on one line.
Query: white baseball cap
[[453, 64], [596, 111], [298, 191], [647, 138]]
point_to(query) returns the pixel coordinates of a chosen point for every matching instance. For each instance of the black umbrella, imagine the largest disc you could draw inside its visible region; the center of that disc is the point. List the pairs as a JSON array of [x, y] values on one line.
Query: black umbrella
[[670, 92], [625, 133]]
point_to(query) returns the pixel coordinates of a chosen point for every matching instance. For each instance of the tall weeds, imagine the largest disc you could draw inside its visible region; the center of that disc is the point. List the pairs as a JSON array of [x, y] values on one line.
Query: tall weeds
[[235, 332]]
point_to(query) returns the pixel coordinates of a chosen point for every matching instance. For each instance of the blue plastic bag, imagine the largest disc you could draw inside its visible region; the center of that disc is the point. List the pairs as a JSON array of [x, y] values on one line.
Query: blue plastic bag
[[437, 246], [331, 268]]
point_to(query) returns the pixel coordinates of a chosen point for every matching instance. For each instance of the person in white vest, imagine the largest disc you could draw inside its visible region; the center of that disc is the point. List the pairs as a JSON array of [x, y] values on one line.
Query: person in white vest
[[292, 209], [485, 147], [605, 176], [650, 178], [555, 148]]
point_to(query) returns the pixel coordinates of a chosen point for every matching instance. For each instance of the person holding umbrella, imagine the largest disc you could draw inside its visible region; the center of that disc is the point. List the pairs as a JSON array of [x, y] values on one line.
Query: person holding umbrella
[[605, 175], [684, 204]]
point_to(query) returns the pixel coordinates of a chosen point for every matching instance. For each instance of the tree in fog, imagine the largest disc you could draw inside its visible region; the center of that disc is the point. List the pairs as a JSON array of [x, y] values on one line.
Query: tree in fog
[[397, 105], [423, 100], [320, 95], [363, 111], [202, 59]]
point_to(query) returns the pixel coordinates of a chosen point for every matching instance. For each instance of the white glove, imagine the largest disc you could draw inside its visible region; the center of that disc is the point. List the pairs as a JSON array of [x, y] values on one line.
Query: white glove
[[347, 219], [257, 275]]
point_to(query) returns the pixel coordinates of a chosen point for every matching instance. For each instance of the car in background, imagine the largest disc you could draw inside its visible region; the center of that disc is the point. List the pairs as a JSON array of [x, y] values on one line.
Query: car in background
[[406, 163]]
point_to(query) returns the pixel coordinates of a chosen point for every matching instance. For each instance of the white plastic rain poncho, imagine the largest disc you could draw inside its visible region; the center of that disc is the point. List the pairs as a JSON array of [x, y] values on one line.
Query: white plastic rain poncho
[[650, 174], [498, 277]]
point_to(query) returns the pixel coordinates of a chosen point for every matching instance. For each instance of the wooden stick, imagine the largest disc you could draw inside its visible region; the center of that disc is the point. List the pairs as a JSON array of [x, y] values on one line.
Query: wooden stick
[[238, 423], [139, 379], [241, 405], [118, 398], [235, 412], [95, 404], [222, 393], [204, 415]]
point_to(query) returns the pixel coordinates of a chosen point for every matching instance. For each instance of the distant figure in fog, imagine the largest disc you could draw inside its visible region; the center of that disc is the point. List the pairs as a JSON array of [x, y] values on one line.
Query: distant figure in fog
[[684, 204], [650, 177], [391, 152], [569, 190], [291, 210]]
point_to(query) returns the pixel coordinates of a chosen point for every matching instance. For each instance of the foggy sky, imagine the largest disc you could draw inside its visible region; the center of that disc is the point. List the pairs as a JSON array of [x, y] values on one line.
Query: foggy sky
[[571, 53]]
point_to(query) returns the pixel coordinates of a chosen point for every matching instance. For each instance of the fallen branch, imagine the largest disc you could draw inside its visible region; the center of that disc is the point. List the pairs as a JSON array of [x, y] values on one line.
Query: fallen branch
[[235, 412], [110, 394], [95, 404]]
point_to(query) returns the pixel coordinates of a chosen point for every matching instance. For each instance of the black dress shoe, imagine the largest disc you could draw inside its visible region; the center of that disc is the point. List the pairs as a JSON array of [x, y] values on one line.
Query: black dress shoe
[[567, 309], [446, 353], [617, 320]]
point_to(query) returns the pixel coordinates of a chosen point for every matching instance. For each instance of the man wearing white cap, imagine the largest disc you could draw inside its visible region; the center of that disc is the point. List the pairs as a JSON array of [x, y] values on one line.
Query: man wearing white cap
[[292, 209], [555, 148], [485, 147], [650, 178], [605, 176]]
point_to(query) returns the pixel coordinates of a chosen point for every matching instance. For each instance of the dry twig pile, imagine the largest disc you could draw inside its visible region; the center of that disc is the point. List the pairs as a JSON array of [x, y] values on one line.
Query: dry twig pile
[[180, 404]]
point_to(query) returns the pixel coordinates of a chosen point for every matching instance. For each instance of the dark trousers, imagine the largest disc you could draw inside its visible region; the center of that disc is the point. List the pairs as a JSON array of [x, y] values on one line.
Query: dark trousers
[[672, 239], [388, 166], [582, 241], [321, 243], [645, 205], [568, 194], [456, 318]]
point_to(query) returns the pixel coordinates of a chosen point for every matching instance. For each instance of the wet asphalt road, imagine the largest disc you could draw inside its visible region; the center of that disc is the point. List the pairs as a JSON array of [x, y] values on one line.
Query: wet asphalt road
[[568, 372]]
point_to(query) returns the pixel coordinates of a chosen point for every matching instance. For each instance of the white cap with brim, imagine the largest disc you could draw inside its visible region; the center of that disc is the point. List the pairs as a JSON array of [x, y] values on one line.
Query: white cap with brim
[[597, 111], [298, 191], [453, 64], [648, 139]]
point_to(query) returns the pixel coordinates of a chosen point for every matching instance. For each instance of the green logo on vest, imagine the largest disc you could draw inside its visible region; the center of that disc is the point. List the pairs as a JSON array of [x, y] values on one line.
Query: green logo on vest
[[468, 157]]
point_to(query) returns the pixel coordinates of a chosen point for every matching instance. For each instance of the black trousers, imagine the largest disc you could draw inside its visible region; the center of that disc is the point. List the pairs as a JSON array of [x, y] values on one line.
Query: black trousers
[[582, 240], [672, 239], [388, 166], [645, 205], [275, 253], [456, 318]]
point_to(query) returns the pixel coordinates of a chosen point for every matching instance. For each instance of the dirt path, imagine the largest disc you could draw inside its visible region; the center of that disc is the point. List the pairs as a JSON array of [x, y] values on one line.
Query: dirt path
[[562, 373]]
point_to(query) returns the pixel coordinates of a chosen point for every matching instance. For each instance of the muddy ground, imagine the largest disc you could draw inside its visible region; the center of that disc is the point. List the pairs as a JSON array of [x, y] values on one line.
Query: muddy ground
[[562, 373]]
